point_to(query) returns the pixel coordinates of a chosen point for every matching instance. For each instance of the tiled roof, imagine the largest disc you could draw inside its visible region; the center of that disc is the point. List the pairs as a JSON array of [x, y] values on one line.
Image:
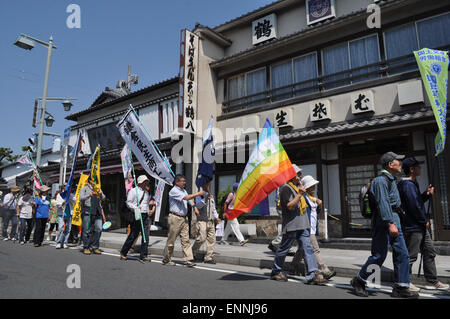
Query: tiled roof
[[155, 86], [294, 35], [388, 120]]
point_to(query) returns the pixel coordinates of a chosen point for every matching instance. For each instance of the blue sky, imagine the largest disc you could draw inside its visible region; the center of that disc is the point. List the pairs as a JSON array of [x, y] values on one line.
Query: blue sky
[[114, 34]]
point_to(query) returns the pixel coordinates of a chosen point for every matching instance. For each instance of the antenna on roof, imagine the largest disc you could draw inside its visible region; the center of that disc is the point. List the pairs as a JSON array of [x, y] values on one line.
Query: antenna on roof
[[126, 85]]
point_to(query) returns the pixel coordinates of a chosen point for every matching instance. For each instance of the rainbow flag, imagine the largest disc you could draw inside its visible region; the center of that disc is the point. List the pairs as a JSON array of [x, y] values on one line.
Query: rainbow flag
[[267, 169]]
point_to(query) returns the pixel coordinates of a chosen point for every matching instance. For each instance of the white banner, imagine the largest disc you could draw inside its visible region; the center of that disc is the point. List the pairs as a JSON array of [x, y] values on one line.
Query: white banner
[[141, 145], [158, 199], [126, 162]]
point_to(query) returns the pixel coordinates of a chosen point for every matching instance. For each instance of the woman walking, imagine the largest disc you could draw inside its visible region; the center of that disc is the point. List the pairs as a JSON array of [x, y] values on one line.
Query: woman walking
[[42, 204], [25, 213]]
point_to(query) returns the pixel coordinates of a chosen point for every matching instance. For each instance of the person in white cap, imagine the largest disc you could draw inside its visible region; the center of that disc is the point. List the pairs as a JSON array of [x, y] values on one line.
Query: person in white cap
[[314, 205], [140, 201], [9, 205]]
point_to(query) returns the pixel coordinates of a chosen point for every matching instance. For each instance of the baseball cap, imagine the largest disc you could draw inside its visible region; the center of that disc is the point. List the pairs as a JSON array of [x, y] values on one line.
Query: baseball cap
[[389, 157], [411, 162]]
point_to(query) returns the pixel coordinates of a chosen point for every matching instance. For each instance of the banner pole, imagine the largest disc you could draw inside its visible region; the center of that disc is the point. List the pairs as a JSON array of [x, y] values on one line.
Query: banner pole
[[137, 196]]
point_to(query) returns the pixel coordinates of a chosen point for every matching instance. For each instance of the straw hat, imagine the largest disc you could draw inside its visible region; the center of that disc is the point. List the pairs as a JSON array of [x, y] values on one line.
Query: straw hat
[[44, 188], [15, 189]]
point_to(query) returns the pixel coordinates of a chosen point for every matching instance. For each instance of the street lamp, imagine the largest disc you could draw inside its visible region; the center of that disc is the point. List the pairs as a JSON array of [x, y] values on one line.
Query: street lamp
[[26, 42], [49, 120], [67, 105]]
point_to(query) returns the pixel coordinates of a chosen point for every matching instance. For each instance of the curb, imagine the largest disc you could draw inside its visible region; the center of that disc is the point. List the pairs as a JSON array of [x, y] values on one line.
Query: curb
[[386, 275]]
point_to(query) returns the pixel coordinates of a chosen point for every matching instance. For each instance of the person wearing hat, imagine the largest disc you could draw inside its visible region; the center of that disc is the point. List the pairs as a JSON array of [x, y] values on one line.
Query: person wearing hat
[[416, 222], [10, 206], [25, 213], [42, 204], [273, 246], [92, 217], [295, 227], [233, 224], [314, 205], [386, 230], [140, 201]]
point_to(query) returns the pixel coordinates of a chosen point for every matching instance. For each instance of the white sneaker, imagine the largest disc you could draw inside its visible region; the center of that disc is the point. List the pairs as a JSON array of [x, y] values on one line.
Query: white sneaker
[[437, 286], [66, 247], [413, 288], [6, 239], [58, 246]]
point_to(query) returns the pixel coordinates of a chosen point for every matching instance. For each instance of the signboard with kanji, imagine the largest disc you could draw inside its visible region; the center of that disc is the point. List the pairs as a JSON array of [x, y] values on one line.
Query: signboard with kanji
[[320, 110], [362, 102], [264, 29], [283, 118], [318, 10], [188, 80]]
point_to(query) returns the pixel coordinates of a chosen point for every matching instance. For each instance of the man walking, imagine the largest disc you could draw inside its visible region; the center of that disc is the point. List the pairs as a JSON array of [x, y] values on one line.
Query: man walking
[[416, 223], [92, 216], [205, 223], [141, 202], [385, 205], [295, 227], [9, 205], [178, 221], [64, 217]]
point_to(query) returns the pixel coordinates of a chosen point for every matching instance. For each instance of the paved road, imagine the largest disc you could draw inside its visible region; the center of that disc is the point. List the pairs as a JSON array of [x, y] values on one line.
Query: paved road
[[29, 272]]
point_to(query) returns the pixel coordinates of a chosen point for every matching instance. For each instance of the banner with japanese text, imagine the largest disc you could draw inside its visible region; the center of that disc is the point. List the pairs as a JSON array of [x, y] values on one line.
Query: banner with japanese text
[[433, 66], [76, 217]]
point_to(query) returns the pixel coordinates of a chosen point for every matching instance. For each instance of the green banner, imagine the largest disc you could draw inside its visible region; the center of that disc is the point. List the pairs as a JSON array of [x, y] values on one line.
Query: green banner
[[433, 66]]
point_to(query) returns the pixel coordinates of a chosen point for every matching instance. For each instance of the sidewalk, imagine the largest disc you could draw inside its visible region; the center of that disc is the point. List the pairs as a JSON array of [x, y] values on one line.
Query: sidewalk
[[346, 262]]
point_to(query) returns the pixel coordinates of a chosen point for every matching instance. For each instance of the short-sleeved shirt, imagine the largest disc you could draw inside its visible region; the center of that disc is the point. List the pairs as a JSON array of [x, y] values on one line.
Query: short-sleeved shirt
[[43, 206], [291, 219], [230, 200], [177, 204], [26, 206]]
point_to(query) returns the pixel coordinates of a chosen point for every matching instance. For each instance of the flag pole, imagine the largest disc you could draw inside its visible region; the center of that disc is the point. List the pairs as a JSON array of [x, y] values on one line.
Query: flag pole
[[137, 196]]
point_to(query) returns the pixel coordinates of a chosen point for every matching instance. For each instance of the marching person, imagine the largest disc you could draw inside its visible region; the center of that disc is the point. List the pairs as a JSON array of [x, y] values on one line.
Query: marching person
[[10, 214], [314, 204], [53, 219], [295, 227], [385, 205], [277, 240], [416, 223], [25, 213], [92, 217], [64, 217], [144, 205], [42, 205], [232, 225], [205, 223], [178, 221]]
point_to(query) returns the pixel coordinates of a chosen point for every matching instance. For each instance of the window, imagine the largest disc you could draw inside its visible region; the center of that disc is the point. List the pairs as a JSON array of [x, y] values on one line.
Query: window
[[305, 68], [399, 42], [434, 32], [281, 75], [351, 55], [107, 136], [169, 117], [250, 83]]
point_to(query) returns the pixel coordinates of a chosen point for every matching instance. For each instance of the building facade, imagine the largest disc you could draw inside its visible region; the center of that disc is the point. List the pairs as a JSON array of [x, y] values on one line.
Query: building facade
[[340, 90]]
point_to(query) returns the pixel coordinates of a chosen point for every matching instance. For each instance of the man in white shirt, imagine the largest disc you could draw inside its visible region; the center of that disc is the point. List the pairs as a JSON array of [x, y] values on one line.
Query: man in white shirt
[[141, 202], [64, 217], [178, 221], [9, 205], [205, 224]]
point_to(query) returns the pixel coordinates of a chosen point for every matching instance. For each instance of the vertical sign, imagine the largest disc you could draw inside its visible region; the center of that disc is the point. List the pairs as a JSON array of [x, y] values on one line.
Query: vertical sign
[[188, 80]]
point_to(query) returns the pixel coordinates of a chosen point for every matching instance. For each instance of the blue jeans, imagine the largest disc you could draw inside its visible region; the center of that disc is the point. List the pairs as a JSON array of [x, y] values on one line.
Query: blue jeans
[[381, 240], [10, 215], [26, 225], [63, 232], [92, 230], [303, 240]]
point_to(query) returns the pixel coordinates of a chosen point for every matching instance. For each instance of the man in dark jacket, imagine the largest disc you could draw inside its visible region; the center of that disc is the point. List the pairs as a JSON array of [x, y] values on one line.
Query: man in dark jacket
[[416, 222]]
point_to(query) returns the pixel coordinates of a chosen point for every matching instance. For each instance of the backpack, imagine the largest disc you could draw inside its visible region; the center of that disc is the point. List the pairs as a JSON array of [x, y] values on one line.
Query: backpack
[[367, 203]]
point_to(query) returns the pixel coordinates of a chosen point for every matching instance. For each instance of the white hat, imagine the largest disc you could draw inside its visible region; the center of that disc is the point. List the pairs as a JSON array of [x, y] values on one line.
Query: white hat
[[296, 168], [142, 179], [309, 181]]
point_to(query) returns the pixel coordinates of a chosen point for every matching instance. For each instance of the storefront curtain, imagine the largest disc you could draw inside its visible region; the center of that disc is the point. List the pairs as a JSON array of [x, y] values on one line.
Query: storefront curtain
[[305, 68], [281, 75], [363, 52]]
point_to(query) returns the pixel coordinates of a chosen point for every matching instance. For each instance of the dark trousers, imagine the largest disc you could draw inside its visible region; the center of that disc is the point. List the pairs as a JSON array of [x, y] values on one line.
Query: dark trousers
[[26, 226], [134, 233], [422, 242], [39, 230]]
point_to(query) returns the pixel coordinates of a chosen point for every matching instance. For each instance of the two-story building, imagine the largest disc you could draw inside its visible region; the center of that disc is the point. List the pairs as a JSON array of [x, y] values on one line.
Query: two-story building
[[340, 89]]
